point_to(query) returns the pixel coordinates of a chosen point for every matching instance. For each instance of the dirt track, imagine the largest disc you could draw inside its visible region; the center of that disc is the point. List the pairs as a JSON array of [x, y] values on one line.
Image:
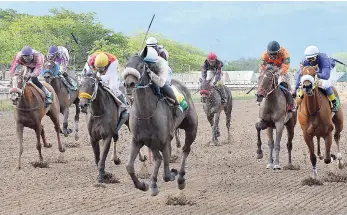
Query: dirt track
[[227, 179]]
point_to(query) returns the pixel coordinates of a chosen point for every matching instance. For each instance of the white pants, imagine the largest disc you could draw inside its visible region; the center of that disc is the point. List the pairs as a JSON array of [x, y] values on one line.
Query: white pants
[[325, 84], [211, 76], [110, 78]]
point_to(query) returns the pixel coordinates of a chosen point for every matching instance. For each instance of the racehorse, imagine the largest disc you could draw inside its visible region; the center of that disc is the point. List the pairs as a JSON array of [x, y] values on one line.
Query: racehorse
[[102, 121], [153, 121], [213, 107], [316, 120], [66, 98], [273, 110], [30, 108]]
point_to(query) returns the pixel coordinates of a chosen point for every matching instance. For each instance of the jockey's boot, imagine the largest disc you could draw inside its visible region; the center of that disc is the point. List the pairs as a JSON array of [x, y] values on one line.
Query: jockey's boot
[[124, 105], [335, 101], [67, 78], [168, 91], [221, 91], [49, 98]]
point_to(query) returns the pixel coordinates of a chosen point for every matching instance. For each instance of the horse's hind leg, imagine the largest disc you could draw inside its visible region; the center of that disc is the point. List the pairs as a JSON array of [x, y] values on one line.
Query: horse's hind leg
[[38, 132], [105, 150], [55, 119], [228, 119], [20, 129], [77, 119], [66, 131], [269, 132], [43, 135], [215, 129], [290, 134], [279, 132], [328, 139], [318, 149], [115, 159], [134, 151], [259, 151], [337, 135]]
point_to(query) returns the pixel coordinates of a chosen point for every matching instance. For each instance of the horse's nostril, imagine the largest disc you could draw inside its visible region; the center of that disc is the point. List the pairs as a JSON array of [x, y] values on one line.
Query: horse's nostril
[[132, 84]]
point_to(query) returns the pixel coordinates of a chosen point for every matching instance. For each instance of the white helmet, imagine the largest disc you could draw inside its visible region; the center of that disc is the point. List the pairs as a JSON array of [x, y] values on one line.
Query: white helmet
[[311, 51], [152, 55], [151, 41]]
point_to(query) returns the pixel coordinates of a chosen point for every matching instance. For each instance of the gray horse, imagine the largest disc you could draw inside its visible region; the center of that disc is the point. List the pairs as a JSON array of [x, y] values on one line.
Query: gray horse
[[153, 123], [102, 120], [212, 105], [274, 113]]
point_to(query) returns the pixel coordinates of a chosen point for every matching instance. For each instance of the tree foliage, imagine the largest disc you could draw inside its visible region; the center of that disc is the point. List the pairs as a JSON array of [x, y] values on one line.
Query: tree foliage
[[40, 32], [341, 57], [242, 64]]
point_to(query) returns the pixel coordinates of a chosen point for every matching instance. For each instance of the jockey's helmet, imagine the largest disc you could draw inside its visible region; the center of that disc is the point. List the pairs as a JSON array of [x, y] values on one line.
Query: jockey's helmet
[[211, 58], [151, 41], [27, 54], [311, 55], [101, 62], [52, 53], [273, 49], [152, 55]]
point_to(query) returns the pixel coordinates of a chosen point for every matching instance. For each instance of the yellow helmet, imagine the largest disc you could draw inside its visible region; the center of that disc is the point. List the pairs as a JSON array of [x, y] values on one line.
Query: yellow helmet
[[101, 60]]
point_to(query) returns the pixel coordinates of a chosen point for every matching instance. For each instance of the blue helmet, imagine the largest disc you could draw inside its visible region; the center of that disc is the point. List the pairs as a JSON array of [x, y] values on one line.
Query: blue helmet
[[52, 50], [26, 50]]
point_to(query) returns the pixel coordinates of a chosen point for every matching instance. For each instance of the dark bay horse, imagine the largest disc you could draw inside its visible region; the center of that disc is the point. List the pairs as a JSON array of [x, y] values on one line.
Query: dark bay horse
[[101, 121], [273, 111], [316, 120], [29, 109], [65, 99], [153, 123], [213, 107]]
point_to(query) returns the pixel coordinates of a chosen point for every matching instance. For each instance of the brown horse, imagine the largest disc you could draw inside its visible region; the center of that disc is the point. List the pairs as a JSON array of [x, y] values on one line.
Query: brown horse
[[65, 99], [29, 103], [315, 118]]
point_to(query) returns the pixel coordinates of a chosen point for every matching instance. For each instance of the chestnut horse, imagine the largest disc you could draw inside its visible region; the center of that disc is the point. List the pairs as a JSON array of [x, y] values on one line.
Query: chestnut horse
[[29, 103], [316, 119]]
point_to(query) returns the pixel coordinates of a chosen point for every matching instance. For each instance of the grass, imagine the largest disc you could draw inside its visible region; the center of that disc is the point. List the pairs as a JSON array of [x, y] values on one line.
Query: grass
[[237, 95], [5, 105]]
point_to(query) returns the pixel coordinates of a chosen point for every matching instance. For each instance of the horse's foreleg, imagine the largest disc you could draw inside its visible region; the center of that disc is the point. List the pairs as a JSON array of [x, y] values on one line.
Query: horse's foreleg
[[337, 136], [269, 132], [104, 153], [154, 177], [259, 151], [166, 157], [66, 130], [290, 134], [318, 149], [55, 119], [134, 151], [215, 129], [77, 119], [328, 139], [279, 131], [20, 129], [313, 158], [115, 158], [96, 150], [38, 132], [43, 135]]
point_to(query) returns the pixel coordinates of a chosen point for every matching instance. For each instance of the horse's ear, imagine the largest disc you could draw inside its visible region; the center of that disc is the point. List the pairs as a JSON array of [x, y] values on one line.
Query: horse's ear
[[143, 54]]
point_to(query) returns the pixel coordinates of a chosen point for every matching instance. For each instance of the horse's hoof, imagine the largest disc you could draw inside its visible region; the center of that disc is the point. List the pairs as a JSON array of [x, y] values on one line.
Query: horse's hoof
[[117, 161], [62, 149], [260, 156], [154, 191], [320, 157], [277, 167], [76, 137], [340, 164], [270, 166], [47, 145], [144, 186], [181, 184]]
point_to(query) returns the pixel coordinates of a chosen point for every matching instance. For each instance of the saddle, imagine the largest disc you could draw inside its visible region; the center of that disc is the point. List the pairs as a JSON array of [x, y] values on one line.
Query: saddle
[[42, 94], [72, 86], [181, 98]]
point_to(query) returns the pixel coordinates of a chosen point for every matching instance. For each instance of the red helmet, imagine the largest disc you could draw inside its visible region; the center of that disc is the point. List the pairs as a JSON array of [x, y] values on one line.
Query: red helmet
[[212, 56]]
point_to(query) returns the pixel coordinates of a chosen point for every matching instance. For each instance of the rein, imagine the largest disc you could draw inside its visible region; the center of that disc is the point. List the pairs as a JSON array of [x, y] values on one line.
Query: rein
[[273, 82], [320, 98]]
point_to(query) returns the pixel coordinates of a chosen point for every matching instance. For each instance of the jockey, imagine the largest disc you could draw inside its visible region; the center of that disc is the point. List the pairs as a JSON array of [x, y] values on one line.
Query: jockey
[[162, 52], [160, 66], [212, 69], [325, 65], [60, 55], [279, 57], [33, 61], [105, 66]]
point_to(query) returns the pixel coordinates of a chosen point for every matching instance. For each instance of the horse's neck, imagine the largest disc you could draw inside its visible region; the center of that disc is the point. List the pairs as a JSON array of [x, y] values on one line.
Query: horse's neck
[[273, 98], [144, 101], [56, 83], [312, 103], [29, 98], [100, 102]]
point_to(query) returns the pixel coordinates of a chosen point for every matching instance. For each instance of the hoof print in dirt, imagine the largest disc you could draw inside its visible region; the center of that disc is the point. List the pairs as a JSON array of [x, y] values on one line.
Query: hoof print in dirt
[[97, 185], [180, 199], [311, 182], [291, 167], [40, 164], [334, 177], [72, 145], [173, 159], [109, 178], [144, 173]]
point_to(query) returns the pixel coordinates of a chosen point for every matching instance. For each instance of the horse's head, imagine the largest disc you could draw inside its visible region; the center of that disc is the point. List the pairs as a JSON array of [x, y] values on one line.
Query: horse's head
[[134, 73], [307, 79], [48, 67], [16, 91], [205, 89], [267, 82], [87, 91]]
